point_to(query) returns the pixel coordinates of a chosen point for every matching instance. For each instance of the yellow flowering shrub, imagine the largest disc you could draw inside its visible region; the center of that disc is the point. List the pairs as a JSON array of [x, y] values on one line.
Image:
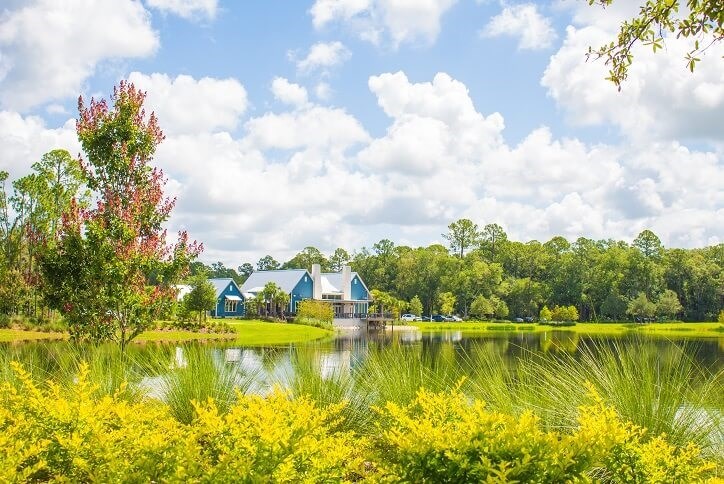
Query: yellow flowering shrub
[[445, 437], [51, 432], [276, 439], [75, 434]]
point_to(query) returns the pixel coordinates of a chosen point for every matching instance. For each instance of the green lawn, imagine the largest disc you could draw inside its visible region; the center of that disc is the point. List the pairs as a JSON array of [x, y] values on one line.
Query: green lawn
[[260, 333], [248, 333], [697, 330], [21, 335], [180, 335]]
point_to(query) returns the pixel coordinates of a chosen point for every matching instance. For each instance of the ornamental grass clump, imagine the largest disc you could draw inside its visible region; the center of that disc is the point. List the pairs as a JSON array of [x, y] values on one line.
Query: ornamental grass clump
[[197, 375]]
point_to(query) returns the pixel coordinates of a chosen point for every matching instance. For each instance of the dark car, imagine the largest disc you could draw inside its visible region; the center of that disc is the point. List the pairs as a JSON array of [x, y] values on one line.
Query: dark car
[[439, 318]]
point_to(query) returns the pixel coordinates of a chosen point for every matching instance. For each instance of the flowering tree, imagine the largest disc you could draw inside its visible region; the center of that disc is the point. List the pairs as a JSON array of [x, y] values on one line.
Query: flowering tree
[[110, 270]]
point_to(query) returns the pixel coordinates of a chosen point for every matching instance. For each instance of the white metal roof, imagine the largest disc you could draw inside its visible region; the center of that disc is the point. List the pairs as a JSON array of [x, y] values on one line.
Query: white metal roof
[[286, 279]]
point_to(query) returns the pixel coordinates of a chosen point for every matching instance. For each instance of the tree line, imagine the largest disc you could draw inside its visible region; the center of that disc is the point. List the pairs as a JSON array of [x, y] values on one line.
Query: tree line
[[482, 273]]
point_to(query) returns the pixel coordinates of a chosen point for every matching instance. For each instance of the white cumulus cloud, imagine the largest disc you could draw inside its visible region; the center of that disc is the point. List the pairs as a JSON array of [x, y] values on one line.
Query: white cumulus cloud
[[49, 48], [187, 105], [188, 9], [288, 92], [661, 100], [396, 21], [323, 55], [533, 30]]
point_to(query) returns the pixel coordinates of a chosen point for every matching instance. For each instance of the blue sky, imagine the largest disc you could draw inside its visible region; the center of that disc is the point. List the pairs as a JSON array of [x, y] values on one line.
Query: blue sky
[[340, 122]]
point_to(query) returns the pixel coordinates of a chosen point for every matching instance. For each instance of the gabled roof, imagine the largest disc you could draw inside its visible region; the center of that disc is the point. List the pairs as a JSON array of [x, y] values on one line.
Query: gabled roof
[[286, 279], [222, 283], [332, 282]]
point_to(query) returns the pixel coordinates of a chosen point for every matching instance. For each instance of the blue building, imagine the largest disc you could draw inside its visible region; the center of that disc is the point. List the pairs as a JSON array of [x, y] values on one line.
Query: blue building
[[344, 290], [295, 282], [229, 301]]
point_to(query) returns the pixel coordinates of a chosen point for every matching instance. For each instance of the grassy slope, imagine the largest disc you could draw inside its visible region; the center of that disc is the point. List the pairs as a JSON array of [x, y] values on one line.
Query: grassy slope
[[259, 333], [21, 335], [248, 333], [698, 330]]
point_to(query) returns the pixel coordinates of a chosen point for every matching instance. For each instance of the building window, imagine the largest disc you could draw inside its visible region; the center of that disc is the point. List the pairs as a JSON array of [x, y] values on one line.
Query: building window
[[355, 281], [305, 278], [332, 296], [229, 306]]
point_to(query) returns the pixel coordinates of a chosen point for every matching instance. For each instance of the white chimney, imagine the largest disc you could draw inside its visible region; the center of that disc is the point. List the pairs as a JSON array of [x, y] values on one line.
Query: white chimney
[[346, 283], [317, 281]]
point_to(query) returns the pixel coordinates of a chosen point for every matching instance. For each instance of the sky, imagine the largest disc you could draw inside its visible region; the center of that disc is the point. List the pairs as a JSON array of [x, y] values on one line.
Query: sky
[[337, 123]]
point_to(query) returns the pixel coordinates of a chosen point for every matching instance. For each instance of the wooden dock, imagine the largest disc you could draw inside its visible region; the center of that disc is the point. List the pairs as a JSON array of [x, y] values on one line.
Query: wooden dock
[[378, 320]]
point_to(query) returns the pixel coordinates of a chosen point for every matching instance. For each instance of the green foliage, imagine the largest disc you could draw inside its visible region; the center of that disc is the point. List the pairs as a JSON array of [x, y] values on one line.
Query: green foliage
[[199, 375], [481, 307], [201, 298], [668, 305], [309, 309], [703, 21], [110, 272], [415, 306], [614, 306], [272, 301], [387, 302], [306, 258], [500, 308], [641, 307], [446, 302], [721, 316], [462, 235], [545, 314], [563, 313]]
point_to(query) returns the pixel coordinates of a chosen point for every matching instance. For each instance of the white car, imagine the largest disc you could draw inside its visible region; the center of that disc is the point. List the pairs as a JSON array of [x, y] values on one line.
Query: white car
[[407, 317]]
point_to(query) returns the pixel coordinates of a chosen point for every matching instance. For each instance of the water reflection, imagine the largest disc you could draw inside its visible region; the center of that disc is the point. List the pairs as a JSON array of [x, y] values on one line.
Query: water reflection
[[351, 349]]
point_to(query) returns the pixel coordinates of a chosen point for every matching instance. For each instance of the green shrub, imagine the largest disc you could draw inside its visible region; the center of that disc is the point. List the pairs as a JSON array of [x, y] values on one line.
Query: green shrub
[[319, 310], [317, 323]]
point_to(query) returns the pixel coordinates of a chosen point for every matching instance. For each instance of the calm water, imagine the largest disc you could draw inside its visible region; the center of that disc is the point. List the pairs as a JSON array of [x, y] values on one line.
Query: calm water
[[349, 350]]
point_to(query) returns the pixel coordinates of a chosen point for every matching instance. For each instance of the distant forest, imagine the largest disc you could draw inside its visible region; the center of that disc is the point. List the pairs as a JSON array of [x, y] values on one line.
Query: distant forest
[[484, 274]]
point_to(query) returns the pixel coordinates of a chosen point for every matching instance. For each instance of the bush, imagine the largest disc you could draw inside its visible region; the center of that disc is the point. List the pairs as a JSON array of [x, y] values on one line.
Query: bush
[[313, 322], [443, 437], [73, 433], [315, 310]]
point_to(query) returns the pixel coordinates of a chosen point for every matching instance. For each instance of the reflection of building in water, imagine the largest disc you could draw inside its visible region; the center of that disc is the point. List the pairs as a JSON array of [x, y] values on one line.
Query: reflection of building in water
[[337, 363], [179, 358], [232, 355], [250, 361], [409, 336]]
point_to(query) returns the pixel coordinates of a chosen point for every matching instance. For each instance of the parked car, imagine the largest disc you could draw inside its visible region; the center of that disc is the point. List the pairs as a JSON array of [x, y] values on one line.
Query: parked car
[[426, 318], [407, 317], [519, 320], [439, 318], [528, 319], [456, 318]]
